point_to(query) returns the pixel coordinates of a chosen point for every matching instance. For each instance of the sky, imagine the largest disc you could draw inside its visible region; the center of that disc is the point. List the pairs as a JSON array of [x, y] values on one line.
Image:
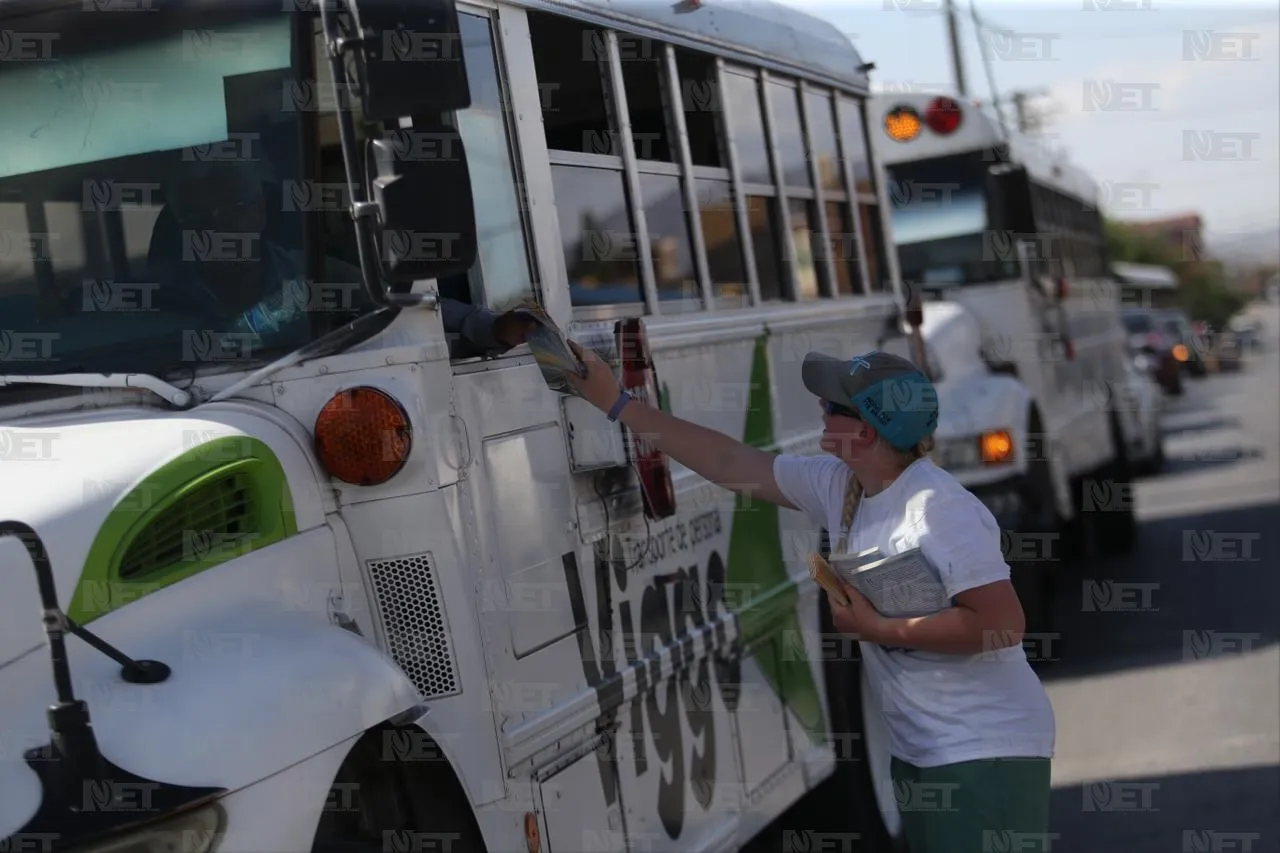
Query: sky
[[1172, 107]]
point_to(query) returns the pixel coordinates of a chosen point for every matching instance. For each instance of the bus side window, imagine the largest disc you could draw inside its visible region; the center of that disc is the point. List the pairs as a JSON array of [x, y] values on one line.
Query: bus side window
[[650, 107], [853, 137], [578, 116]]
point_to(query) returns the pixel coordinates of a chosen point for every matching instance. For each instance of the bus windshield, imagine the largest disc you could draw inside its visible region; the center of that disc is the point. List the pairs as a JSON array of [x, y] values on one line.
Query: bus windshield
[[152, 206], [940, 224]]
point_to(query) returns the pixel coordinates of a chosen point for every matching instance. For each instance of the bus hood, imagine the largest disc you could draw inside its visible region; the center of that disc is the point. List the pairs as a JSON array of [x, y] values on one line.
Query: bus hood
[[954, 337], [80, 480]]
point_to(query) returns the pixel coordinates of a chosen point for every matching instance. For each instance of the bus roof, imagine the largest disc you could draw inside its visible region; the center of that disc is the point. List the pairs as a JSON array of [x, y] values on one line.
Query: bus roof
[[767, 33], [979, 130], [1145, 275]]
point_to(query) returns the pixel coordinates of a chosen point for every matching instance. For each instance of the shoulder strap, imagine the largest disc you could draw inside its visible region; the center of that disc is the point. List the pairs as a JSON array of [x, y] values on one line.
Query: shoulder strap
[[852, 495]]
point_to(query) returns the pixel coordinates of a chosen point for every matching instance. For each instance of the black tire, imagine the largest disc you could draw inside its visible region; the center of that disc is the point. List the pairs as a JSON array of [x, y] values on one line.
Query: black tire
[[1174, 386], [1034, 569], [404, 795], [1117, 529], [1155, 464]]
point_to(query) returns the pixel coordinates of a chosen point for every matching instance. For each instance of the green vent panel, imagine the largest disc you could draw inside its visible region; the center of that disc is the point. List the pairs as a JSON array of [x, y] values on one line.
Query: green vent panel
[[215, 502], [219, 516]]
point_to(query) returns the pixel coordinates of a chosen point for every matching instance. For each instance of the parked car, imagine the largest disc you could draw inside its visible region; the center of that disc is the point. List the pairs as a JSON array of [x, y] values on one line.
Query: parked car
[[1151, 349], [1189, 346], [1142, 404], [1228, 349], [1248, 330]]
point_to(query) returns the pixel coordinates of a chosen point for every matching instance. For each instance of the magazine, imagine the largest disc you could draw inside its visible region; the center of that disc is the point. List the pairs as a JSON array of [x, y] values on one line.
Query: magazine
[[903, 585], [551, 350]]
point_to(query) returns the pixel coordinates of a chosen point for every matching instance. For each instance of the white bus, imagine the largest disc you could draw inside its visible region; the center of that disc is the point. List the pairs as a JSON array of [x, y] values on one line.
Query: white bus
[[344, 589], [1041, 412]]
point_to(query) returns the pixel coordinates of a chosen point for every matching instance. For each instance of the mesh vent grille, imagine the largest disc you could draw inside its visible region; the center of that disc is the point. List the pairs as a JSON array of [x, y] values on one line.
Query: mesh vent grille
[[200, 524], [413, 617]]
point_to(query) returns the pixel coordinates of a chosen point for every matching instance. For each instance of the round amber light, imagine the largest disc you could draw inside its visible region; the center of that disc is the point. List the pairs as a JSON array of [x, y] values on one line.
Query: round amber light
[[363, 436], [902, 124]]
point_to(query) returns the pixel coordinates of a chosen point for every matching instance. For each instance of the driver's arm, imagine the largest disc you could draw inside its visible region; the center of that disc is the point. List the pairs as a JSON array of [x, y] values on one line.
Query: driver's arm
[[469, 328]]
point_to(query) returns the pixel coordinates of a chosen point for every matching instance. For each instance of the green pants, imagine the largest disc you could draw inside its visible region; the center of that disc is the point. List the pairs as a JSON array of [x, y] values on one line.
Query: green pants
[[989, 806]]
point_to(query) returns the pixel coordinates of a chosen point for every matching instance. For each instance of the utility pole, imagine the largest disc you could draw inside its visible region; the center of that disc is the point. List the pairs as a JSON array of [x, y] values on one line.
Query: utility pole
[[957, 61], [1029, 120], [1020, 106]]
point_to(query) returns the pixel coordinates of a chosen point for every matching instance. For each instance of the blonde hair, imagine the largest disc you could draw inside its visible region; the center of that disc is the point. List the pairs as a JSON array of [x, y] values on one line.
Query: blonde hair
[[853, 490], [922, 449]]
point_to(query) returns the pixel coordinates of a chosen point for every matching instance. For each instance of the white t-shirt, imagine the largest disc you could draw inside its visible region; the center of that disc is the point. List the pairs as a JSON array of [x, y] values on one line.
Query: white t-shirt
[[939, 708]]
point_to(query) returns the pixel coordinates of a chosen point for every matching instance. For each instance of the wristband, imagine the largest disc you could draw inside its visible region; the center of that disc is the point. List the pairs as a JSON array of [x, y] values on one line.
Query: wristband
[[623, 399]]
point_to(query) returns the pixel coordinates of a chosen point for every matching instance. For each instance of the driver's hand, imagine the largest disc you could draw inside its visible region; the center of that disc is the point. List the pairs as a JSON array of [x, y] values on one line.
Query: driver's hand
[[511, 328]]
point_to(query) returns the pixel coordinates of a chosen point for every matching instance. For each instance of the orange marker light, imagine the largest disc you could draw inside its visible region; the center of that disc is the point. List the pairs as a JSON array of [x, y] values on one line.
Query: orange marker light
[[532, 841], [363, 436], [902, 124], [1180, 352], [997, 447]]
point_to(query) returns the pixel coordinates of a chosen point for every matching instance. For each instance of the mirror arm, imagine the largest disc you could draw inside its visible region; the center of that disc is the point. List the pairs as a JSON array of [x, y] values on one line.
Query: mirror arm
[[361, 212]]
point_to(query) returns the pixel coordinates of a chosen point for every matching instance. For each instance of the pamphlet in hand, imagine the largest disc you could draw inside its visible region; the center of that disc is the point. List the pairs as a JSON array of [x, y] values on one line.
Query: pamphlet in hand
[[551, 350], [903, 585]]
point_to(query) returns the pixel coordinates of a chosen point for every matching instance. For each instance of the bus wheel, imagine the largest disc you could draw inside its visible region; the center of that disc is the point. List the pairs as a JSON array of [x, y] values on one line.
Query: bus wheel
[[1034, 577], [1117, 529], [383, 800]]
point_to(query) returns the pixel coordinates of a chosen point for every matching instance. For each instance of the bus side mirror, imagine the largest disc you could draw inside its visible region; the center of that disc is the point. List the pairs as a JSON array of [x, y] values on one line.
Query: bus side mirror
[[1009, 190], [421, 184], [410, 58]]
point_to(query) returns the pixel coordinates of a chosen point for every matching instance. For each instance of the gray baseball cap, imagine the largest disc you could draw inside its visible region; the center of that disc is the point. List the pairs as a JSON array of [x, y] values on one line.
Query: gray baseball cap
[[889, 392]]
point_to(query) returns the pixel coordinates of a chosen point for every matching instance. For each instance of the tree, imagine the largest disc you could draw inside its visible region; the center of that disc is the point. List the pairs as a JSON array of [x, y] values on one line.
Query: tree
[[1202, 287]]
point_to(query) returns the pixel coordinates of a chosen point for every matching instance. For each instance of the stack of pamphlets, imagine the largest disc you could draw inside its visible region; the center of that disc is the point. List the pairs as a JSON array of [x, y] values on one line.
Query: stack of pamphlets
[[551, 350], [904, 585]]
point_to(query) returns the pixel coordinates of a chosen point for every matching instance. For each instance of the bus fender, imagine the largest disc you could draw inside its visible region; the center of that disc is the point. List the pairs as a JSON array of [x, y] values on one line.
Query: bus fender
[[268, 688]]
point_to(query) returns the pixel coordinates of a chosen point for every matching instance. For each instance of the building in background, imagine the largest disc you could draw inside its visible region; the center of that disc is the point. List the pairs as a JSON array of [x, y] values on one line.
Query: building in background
[[1184, 234]]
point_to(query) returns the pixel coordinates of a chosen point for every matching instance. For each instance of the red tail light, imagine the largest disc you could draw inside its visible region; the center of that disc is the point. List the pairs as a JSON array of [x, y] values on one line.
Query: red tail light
[[641, 381], [943, 115]]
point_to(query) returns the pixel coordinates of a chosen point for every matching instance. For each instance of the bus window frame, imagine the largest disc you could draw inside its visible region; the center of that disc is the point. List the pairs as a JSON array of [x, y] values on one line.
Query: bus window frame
[[537, 159]]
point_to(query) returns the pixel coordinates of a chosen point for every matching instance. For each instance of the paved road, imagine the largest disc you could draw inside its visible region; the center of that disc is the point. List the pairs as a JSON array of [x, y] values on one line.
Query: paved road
[[1165, 681], [1168, 705]]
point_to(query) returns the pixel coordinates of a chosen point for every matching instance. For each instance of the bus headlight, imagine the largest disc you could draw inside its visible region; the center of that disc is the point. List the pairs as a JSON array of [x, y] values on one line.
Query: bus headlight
[[997, 447], [199, 831], [958, 454], [993, 447]]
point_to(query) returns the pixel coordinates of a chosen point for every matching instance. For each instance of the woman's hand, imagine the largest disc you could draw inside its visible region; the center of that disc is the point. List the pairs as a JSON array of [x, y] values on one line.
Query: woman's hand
[[599, 387], [859, 618]]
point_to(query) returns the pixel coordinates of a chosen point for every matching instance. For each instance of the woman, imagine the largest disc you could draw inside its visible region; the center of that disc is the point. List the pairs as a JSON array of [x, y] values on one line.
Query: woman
[[971, 730]]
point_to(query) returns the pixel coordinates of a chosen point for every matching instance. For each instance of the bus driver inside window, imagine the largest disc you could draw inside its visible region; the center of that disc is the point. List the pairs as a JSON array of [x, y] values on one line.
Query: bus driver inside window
[[220, 256]]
